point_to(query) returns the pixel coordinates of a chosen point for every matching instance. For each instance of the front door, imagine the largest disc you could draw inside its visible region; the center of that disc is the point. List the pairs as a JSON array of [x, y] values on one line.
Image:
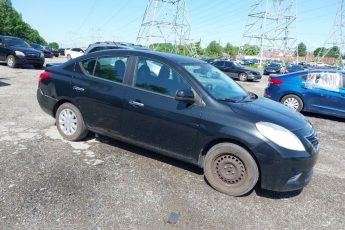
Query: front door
[[153, 118]]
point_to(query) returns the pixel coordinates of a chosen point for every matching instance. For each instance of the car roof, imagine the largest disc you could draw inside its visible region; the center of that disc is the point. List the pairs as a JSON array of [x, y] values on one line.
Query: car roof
[[168, 56]]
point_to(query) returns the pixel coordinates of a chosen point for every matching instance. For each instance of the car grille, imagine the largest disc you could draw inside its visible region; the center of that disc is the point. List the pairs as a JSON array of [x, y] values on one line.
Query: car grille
[[314, 139], [32, 55]]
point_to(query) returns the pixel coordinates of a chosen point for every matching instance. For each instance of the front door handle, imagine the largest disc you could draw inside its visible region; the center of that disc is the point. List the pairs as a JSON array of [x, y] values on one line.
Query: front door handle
[[76, 88], [136, 104]]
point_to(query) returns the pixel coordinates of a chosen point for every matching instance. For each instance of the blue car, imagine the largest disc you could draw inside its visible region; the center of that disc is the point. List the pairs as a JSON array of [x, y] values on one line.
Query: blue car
[[318, 91]]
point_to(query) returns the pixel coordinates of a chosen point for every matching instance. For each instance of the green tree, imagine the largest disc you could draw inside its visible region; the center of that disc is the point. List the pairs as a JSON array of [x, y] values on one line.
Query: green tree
[[319, 51], [12, 24], [302, 49], [198, 48], [54, 45], [231, 50], [214, 49], [250, 50], [333, 52]]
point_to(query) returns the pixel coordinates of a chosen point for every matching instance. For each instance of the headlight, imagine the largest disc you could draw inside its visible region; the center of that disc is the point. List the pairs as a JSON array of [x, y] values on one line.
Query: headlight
[[20, 54], [280, 136], [42, 55]]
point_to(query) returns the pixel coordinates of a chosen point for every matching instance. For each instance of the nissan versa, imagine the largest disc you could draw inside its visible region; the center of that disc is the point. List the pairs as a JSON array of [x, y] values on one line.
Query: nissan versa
[[186, 109]]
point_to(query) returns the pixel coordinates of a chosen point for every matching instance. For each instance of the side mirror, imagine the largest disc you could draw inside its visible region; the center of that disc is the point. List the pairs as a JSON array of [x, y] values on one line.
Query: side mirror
[[185, 95]]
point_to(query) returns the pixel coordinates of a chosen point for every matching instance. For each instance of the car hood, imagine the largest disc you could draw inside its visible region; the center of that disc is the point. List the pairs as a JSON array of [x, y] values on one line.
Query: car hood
[[249, 70], [263, 109], [24, 49]]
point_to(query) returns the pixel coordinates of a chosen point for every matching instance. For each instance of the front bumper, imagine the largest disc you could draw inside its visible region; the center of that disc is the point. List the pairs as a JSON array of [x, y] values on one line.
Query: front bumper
[[286, 170], [254, 77], [30, 61]]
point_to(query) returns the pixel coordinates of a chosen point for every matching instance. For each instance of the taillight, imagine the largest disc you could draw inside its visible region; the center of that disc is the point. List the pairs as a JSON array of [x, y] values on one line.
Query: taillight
[[275, 81], [44, 75]]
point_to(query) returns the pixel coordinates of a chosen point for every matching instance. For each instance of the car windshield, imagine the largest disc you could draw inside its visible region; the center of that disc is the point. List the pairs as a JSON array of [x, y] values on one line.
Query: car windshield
[[237, 64], [16, 42], [215, 82]]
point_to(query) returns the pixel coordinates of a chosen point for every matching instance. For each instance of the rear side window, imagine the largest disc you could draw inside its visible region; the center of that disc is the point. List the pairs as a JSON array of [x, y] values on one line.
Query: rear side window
[[157, 77], [108, 68]]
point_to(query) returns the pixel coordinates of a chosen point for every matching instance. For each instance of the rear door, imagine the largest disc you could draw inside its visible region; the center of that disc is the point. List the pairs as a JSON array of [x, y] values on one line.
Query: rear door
[[152, 117], [99, 90], [230, 69], [324, 92]]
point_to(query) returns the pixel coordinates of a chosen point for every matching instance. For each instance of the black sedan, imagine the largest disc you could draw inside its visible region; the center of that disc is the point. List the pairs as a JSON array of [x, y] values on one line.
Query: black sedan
[[294, 68], [47, 53], [186, 109], [237, 71], [274, 68]]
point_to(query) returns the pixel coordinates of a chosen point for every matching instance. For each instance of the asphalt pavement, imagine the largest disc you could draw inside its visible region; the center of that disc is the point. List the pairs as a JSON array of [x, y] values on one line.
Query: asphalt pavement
[[49, 183]]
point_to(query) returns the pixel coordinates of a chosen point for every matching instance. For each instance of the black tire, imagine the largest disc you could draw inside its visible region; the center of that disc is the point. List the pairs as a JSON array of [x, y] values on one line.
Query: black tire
[[243, 77], [39, 66], [231, 169], [69, 57], [80, 131], [11, 61], [293, 98]]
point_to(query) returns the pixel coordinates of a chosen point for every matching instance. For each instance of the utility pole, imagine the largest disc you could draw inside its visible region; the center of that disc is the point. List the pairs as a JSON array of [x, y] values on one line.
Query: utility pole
[[270, 29], [336, 37], [166, 21]]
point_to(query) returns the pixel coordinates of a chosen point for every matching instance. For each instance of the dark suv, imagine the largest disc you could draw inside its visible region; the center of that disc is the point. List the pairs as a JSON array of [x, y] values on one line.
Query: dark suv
[[99, 46], [186, 109], [15, 51]]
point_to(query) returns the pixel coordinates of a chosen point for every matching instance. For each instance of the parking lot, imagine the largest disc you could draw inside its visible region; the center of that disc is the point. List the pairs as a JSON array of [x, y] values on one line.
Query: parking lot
[[50, 183]]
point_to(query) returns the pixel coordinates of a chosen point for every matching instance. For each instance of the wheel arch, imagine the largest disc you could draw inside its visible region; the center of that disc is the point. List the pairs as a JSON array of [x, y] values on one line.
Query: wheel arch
[[60, 102]]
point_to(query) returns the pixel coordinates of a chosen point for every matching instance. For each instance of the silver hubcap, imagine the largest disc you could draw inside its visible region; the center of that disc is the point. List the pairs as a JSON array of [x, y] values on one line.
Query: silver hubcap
[[10, 61], [291, 103], [68, 122], [243, 77]]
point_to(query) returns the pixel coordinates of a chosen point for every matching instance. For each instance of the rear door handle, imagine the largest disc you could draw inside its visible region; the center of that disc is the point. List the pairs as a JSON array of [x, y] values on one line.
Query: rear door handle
[[79, 89], [136, 104]]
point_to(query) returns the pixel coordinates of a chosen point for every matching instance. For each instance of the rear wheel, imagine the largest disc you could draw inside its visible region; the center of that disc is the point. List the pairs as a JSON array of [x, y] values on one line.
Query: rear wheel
[[11, 61], [292, 101], [231, 169], [243, 77], [70, 123]]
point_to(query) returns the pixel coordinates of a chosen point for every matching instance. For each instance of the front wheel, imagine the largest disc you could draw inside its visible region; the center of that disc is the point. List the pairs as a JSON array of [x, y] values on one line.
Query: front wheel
[[231, 169], [292, 101], [11, 61], [38, 66], [243, 77], [70, 123]]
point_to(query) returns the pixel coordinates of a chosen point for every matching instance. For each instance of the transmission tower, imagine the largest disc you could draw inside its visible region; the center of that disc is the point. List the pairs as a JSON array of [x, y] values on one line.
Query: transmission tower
[[270, 29], [336, 38], [166, 21]]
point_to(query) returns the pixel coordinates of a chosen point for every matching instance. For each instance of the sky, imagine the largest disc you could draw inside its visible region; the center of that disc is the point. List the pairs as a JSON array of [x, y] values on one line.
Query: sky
[[81, 22]]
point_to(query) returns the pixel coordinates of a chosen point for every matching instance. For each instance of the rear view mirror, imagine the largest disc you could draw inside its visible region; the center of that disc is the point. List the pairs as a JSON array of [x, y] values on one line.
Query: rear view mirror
[[185, 95]]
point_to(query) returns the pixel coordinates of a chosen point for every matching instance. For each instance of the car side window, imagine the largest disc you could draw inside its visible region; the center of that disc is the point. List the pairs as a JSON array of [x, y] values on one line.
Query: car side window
[[157, 77], [109, 68], [228, 64], [324, 80], [1, 42]]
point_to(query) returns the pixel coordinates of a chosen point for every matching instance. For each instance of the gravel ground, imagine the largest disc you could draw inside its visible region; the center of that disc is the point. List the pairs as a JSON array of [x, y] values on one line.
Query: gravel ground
[[49, 183]]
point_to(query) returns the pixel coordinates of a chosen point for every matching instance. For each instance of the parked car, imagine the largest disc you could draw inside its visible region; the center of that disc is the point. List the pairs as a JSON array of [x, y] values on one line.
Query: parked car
[[247, 62], [47, 53], [62, 51], [190, 111], [275, 68], [294, 68], [318, 91], [98, 46], [15, 51], [55, 52], [73, 53], [237, 71]]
